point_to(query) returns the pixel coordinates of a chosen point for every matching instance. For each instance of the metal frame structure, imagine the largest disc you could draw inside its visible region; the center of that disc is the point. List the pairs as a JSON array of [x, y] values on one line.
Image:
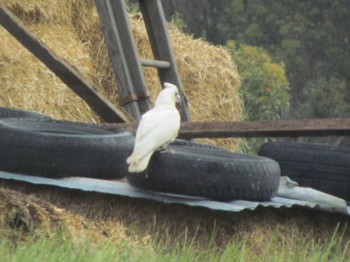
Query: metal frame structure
[[127, 66], [125, 60]]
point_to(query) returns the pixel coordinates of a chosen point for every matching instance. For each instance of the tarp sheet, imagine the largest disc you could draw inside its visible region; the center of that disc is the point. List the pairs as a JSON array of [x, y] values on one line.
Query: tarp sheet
[[289, 194]]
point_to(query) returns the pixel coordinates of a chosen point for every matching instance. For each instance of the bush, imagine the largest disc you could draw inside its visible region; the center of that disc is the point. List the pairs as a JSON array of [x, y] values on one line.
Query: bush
[[265, 88]]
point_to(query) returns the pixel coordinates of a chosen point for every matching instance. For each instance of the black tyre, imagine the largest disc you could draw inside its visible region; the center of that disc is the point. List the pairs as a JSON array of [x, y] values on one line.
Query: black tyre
[[322, 167], [62, 149], [207, 171], [17, 113]]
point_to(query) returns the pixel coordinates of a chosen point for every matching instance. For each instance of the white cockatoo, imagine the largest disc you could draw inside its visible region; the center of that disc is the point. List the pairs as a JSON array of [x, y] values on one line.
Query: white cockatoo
[[157, 129]]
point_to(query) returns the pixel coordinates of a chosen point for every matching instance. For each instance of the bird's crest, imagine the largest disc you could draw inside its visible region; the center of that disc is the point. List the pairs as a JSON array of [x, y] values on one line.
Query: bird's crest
[[169, 95]]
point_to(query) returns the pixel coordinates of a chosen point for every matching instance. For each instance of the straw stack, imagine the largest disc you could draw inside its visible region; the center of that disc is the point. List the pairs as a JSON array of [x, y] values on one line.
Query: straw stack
[[71, 29]]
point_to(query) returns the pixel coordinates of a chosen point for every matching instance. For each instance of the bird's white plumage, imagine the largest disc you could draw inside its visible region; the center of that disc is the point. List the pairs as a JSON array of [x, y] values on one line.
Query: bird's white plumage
[[158, 127]]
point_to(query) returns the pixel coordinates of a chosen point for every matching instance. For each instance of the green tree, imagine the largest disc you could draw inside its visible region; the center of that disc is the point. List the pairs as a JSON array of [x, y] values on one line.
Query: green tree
[[203, 18], [265, 88], [310, 37]]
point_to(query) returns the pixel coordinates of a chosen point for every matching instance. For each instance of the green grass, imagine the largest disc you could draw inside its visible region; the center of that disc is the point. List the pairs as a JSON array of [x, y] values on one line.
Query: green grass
[[58, 248]]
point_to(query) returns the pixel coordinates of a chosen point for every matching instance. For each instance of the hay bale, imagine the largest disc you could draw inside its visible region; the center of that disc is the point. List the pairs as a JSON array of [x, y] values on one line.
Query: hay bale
[[43, 11], [27, 83], [26, 215], [71, 29]]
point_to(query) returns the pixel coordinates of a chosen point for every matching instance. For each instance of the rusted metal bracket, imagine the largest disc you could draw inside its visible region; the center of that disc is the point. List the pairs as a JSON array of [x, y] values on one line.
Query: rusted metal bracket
[[133, 97], [68, 74]]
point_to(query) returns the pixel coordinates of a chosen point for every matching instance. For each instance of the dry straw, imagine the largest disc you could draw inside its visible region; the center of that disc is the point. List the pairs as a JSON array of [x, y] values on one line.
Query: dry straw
[[71, 29], [23, 215]]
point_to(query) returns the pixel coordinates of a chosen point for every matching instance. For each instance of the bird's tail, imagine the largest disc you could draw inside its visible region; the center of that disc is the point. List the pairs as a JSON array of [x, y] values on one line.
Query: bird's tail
[[137, 165]]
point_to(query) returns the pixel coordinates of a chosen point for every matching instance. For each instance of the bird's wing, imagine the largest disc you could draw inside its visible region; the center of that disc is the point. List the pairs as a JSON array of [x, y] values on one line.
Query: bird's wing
[[147, 124], [158, 122], [157, 127]]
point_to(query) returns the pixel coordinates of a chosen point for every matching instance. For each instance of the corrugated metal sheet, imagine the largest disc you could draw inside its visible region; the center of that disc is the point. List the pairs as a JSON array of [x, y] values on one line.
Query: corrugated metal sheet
[[122, 188]]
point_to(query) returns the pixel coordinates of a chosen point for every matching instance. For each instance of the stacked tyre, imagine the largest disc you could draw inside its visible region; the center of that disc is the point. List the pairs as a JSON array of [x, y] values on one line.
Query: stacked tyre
[[37, 145], [319, 166], [208, 171]]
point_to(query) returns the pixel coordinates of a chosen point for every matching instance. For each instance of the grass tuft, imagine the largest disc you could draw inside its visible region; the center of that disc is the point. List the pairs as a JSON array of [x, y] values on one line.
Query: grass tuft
[[59, 248]]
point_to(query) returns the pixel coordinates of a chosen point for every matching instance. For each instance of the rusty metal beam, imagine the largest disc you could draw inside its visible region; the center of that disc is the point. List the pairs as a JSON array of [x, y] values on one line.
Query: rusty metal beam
[[69, 75], [282, 128]]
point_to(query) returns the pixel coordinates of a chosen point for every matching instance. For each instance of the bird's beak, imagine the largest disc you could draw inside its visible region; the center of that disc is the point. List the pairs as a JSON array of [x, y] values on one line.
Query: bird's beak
[[178, 99]]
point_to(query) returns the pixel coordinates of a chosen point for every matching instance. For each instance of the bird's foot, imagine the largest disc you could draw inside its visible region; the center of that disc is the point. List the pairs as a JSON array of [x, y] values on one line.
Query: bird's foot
[[167, 150]]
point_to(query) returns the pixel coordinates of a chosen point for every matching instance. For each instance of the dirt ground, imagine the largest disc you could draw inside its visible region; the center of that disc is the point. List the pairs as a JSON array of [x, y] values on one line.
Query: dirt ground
[[44, 210]]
